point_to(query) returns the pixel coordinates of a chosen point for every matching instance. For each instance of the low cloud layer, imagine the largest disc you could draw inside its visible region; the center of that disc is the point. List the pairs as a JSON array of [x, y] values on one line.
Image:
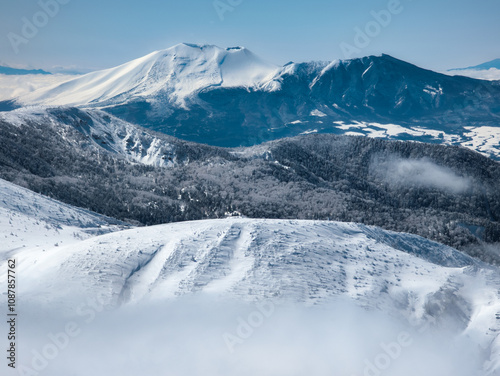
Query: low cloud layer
[[422, 173], [190, 338], [482, 74], [14, 86]]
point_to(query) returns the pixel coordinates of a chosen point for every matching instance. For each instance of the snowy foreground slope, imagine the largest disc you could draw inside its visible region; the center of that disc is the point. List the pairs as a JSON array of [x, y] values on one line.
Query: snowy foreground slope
[[141, 276], [241, 296], [304, 261], [32, 221]]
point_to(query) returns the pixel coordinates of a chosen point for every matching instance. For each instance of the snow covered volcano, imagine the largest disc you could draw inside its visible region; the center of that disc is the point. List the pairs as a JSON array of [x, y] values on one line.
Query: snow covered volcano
[[176, 73], [230, 97]]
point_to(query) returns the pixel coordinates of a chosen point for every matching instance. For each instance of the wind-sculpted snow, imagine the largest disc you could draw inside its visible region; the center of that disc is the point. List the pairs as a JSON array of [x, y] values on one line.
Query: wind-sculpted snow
[[31, 220], [306, 261], [316, 284], [181, 275]]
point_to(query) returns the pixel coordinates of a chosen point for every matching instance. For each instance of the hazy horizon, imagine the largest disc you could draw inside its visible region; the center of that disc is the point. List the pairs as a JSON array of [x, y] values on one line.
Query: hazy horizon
[[67, 34]]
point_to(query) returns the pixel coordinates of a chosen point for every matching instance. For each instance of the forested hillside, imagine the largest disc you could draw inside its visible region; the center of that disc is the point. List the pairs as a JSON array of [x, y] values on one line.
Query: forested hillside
[[447, 194]]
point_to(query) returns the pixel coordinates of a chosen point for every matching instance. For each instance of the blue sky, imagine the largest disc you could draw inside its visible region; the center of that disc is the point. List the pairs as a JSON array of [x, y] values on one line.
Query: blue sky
[[91, 34]]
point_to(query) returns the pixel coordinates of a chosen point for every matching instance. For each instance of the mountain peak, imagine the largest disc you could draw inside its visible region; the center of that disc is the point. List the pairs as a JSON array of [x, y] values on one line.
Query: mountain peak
[[484, 66], [190, 49], [17, 71], [193, 46], [200, 46], [176, 73]]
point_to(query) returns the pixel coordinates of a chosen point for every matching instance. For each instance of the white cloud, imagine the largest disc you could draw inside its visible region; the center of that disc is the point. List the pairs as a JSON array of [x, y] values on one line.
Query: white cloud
[[419, 173], [12, 86], [185, 338], [483, 74]]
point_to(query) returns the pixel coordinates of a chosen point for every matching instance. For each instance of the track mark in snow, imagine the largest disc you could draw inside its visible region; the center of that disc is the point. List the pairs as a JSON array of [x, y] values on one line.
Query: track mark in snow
[[139, 283], [178, 270], [236, 242]]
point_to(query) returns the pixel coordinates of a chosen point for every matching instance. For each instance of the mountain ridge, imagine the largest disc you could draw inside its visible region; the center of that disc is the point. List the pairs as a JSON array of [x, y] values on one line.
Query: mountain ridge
[[91, 159], [307, 220], [30, 220], [17, 71], [230, 97], [495, 63]]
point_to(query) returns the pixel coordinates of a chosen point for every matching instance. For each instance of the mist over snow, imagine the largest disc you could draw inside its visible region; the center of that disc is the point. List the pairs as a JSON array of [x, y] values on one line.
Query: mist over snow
[[420, 173], [187, 337], [256, 297]]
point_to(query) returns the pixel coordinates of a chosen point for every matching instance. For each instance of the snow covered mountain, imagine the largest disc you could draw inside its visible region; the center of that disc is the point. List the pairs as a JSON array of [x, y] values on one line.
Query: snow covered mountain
[[230, 97], [303, 261], [484, 66], [99, 129], [32, 221], [292, 297], [17, 72], [169, 75], [282, 262], [486, 71], [94, 160], [160, 289]]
